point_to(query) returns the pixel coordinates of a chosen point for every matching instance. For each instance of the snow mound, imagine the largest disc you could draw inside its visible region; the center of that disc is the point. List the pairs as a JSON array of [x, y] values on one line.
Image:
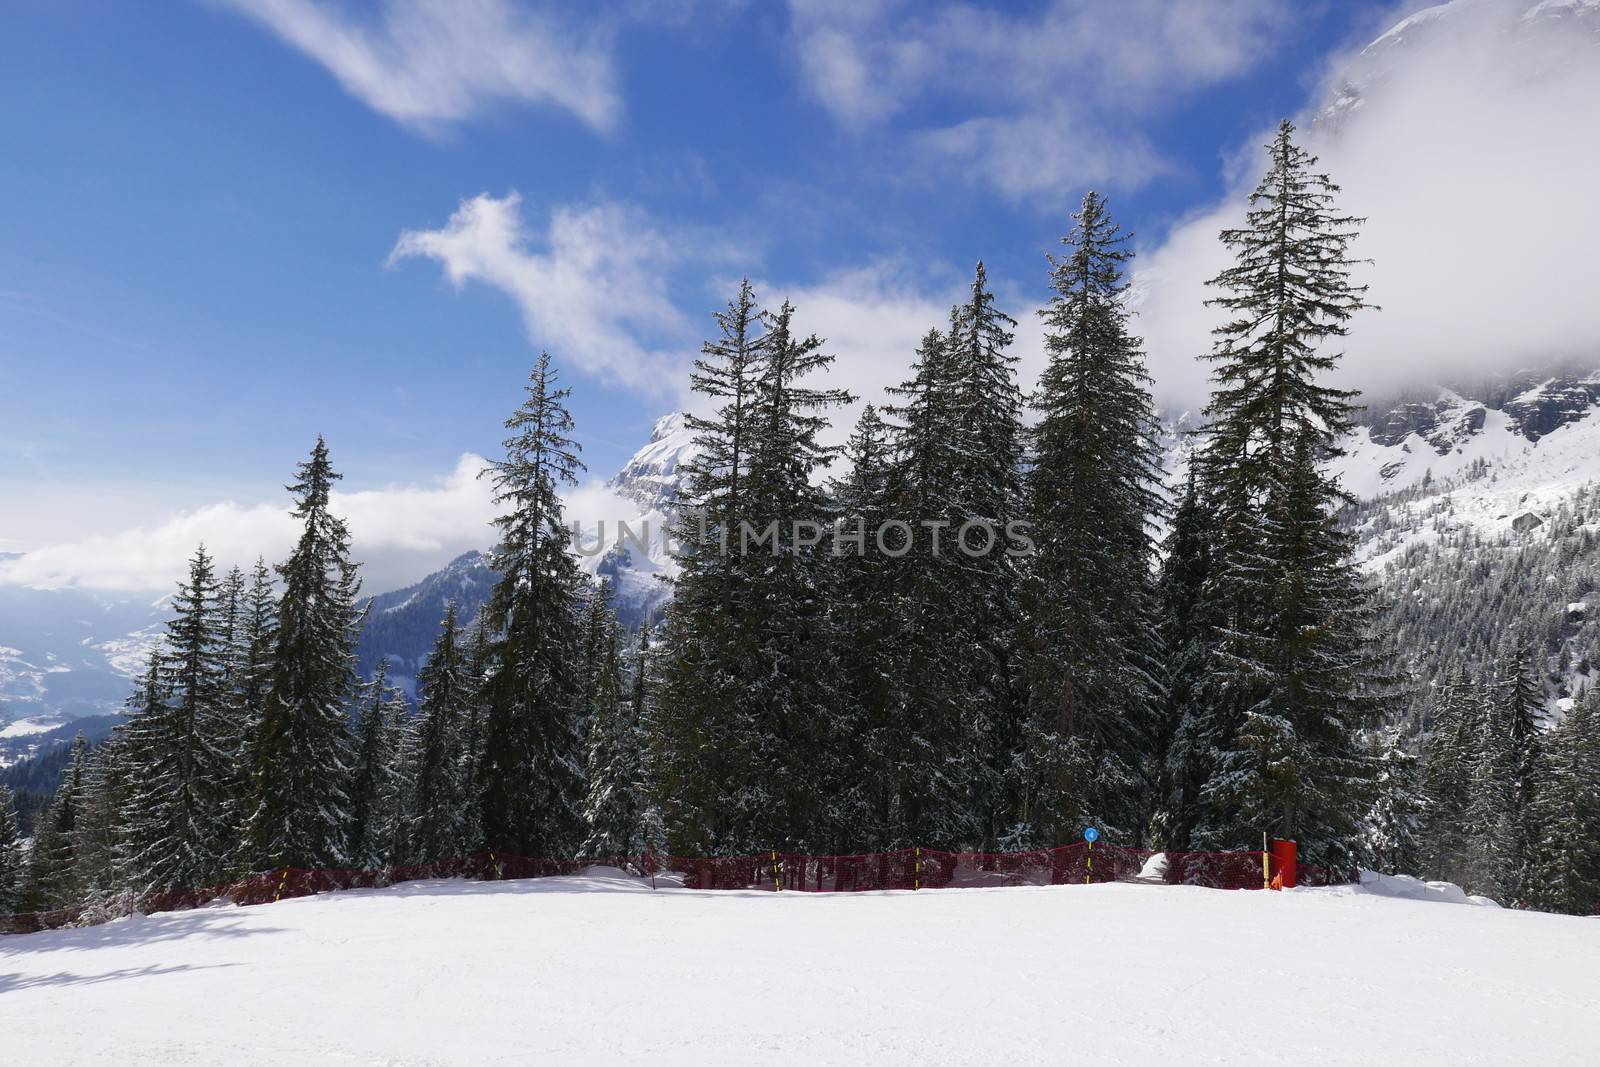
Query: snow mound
[[1405, 887]]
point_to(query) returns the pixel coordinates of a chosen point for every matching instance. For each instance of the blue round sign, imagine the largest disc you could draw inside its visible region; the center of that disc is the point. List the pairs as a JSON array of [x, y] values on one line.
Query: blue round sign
[[1091, 835]]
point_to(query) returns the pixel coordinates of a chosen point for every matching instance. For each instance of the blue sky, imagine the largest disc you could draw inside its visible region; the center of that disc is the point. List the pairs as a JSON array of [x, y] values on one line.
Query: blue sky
[[204, 251]]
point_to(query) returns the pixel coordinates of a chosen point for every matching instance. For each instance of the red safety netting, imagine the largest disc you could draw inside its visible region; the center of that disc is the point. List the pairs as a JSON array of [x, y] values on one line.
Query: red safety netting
[[904, 869]]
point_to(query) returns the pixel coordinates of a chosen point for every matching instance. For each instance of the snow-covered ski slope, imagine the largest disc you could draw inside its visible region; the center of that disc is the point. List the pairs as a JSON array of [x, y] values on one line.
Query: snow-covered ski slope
[[600, 969]]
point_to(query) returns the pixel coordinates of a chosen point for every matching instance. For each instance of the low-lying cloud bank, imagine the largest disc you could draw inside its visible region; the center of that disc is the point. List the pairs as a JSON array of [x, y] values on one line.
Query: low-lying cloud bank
[[399, 533], [1470, 139]]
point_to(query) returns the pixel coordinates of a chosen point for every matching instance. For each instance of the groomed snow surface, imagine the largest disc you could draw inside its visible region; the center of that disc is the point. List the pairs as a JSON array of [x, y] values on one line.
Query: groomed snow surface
[[600, 968]]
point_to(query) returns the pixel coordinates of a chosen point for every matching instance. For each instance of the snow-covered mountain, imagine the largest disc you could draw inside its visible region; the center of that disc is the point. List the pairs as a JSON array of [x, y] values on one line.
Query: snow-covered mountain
[[402, 625], [633, 550], [1536, 35], [66, 653]]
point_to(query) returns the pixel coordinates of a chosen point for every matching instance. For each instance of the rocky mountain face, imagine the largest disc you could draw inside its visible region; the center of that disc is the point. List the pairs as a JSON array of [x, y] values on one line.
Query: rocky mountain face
[[1535, 404]]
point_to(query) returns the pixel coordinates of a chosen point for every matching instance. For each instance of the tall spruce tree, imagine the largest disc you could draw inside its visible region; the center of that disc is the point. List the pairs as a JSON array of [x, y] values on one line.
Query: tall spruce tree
[[1297, 675], [437, 750], [181, 769], [1087, 600], [706, 733], [956, 478], [798, 762], [747, 656], [300, 758], [988, 422], [934, 669], [531, 771]]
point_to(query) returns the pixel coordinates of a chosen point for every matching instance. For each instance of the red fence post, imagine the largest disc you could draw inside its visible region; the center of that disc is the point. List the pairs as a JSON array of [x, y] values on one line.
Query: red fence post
[[1283, 857]]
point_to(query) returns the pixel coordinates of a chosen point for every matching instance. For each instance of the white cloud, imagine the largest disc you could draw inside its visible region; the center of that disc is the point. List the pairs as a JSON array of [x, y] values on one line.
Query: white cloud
[[1048, 97], [398, 532], [591, 289], [428, 63], [1470, 141]]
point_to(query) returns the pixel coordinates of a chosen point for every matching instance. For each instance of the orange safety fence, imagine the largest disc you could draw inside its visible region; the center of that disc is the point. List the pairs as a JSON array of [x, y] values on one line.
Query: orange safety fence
[[902, 869]]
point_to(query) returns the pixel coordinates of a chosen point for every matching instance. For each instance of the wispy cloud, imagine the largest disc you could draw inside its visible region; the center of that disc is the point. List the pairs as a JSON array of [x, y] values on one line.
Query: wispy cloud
[[1046, 97], [430, 63], [592, 286]]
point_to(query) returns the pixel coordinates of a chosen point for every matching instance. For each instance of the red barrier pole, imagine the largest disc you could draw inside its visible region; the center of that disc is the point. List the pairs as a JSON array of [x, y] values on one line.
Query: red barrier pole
[[1283, 856]]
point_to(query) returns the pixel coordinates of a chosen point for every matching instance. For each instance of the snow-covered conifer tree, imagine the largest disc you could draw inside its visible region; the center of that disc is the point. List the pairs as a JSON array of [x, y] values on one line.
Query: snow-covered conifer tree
[[1297, 673], [180, 769], [12, 857], [300, 754], [437, 757], [51, 880], [531, 784], [375, 779], [1088, 609]]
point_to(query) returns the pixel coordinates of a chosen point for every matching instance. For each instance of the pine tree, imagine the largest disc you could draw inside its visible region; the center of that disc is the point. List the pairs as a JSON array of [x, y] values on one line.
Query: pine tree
[[257, 638], [614, 810], [1566, 852], [101, 829], [706, 730], [1523, 705], [1297, 676], [988, 423], [531, 773], [51, 881], [177, 833], [956, 477], [1490, 819], [1183, 746], [437, 758], [863, 628], [233, 629], [300, 758], [797, 762], [1451, 752], [478, 659], [376, 778], [1392, 838], [747, 656], [1087, 598], [12, 857], [933, 670]]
